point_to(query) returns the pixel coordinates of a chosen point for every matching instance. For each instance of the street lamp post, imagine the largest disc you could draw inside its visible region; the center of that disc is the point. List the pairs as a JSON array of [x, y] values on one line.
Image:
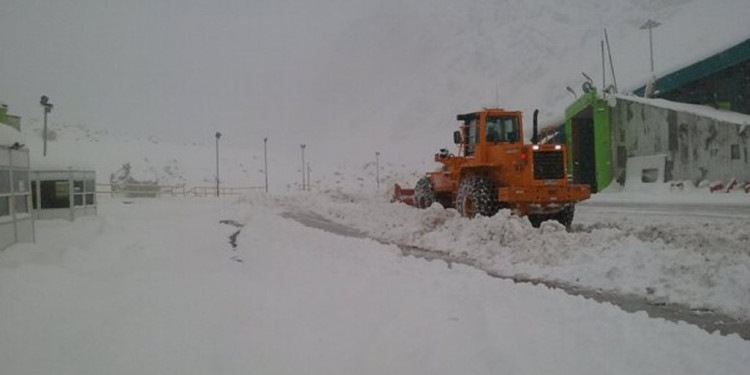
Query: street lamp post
[[377, 170], [302, 167], [47, 109], [650, 25], [265, 161], [218, 135]]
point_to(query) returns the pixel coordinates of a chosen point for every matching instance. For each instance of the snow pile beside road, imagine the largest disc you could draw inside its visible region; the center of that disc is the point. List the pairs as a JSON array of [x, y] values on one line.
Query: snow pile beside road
[[704, 264]]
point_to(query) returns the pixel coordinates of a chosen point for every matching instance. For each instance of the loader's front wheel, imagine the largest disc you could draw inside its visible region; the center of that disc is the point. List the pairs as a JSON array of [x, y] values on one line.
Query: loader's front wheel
[[477, 196], [565, 217], [424, 193]]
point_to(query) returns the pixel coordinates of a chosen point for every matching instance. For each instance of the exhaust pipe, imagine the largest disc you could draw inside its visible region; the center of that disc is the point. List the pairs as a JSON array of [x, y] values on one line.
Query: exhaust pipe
[[535, 133]]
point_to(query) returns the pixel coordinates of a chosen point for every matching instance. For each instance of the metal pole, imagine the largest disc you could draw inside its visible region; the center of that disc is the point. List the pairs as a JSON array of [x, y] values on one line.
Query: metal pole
[[604, 69], [650, 25], [611, 63], [308, 176], [218, 135], [45, 131], [265, 161], [302, 167], [44, 101], [377, 171], [651, 47]]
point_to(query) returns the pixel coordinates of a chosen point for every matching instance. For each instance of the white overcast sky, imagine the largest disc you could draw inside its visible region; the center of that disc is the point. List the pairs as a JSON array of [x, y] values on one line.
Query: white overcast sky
[[166, 66], [372, 73]]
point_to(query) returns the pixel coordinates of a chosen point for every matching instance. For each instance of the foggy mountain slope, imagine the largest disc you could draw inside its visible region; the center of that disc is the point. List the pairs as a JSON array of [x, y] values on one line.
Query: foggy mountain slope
[[393, 79], [349, 78]]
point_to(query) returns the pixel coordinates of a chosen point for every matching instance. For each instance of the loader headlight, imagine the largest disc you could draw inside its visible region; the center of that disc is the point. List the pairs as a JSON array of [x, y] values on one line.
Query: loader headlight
[[558, 147], [535, 147]]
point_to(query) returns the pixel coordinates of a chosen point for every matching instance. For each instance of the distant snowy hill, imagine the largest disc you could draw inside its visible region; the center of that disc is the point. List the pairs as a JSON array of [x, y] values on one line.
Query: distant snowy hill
[[390, 76]]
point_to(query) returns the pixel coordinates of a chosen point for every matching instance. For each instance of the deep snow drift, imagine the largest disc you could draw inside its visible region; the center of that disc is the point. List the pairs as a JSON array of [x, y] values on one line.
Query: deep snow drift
[[155, 287]]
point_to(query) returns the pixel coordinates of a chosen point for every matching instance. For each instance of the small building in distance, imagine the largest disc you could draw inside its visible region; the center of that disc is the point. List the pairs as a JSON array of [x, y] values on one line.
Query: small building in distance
[[63, 192]]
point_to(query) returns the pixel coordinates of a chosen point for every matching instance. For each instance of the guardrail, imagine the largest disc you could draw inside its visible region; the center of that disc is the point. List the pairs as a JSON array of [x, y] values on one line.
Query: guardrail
[[154, 191]]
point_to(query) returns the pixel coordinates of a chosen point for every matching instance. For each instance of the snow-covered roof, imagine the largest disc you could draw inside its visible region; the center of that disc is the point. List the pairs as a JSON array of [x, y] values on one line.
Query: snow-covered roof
[[9, 135], [700, 110]]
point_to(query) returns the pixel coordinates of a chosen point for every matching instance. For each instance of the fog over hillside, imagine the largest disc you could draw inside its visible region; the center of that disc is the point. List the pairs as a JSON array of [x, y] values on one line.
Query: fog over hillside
[[347, 78]]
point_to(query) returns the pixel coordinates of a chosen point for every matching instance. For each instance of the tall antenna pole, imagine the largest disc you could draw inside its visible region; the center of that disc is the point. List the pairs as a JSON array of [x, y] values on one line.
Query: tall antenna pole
[[604, 69], [611, 63]]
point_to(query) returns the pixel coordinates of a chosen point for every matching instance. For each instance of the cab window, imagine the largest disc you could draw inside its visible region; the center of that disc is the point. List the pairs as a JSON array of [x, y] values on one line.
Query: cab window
[[502, 129], [471, 134]]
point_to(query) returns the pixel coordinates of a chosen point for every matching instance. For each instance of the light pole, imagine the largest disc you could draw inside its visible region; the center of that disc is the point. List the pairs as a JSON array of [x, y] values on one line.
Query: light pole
[[308, 176], [377, 170], [265, 161], [47, 109], [302, 168], [650, 25], [218, 135]]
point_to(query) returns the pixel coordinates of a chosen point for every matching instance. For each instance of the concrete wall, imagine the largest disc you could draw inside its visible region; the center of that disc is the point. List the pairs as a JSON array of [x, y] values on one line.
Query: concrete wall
[[697, 147]]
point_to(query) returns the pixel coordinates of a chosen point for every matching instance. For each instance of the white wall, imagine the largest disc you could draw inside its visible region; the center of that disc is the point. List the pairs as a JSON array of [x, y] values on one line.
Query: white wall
[[697, 147]]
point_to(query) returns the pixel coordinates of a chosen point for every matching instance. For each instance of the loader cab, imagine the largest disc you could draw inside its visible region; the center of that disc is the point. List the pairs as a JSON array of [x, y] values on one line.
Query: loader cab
[[501, 128], [483, 130]]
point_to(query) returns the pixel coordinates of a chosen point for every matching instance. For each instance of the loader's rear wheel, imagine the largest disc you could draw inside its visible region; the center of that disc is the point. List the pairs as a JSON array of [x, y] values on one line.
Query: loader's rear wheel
[[424, 193], [477, 196]]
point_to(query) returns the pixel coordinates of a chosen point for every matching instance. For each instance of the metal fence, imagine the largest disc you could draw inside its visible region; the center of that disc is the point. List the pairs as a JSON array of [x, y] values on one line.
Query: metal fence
[[155, 191]]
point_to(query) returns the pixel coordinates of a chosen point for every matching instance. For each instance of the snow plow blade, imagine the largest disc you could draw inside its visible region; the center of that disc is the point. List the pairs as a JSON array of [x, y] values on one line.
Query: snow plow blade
[[403, 195]]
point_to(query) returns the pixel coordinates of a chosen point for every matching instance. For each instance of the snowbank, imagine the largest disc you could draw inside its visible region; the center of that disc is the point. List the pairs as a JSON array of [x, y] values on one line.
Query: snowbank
[[689, 259]]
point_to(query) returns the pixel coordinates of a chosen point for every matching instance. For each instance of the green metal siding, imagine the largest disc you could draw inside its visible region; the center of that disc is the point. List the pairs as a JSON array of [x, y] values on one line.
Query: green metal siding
[[602, 136], [602, 144], [721, 80]]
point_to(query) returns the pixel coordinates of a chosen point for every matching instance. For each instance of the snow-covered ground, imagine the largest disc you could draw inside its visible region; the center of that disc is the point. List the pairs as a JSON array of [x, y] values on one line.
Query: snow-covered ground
[[666, 253], [155, 287]]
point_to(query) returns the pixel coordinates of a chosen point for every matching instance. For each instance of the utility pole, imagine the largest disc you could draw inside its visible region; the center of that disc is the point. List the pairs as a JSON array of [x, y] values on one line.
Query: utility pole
[[377, 170], [218, 135], [650, 25], [302, 167], [265, 161], [47, 109]]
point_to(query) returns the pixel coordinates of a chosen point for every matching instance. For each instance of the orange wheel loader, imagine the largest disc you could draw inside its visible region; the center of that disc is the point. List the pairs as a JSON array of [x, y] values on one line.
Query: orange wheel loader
[[495, 169]]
